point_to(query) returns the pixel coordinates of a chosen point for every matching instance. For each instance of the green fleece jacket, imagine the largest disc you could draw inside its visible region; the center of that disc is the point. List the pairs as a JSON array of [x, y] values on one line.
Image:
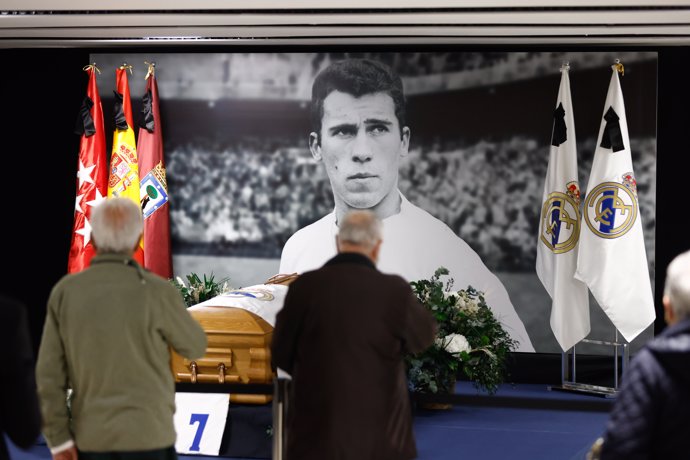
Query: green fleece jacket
[[107, 335]]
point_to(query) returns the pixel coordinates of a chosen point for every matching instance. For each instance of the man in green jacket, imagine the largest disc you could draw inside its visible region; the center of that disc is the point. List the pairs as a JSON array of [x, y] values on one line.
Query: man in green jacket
[[107, 337]]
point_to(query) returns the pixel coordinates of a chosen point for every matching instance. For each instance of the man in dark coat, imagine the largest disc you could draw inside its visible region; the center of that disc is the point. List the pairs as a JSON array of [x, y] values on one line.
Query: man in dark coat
[[342, 335], [651, 416], [20, 418]]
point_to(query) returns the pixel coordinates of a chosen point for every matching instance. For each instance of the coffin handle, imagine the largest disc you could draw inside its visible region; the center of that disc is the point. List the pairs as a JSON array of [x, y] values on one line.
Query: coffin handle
[[221, 373], [193, 370]]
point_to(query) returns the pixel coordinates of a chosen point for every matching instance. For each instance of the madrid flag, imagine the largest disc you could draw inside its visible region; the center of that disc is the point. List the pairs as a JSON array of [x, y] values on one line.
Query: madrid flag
[[154, 191], [557, 244], [91, 174], [612, 259], [124, 168]]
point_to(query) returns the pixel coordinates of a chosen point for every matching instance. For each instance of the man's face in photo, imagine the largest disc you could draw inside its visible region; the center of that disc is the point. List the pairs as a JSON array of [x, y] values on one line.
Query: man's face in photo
[[361, 147]]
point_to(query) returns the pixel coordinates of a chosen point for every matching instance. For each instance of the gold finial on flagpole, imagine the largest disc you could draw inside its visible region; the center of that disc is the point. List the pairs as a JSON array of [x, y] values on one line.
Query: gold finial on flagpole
[[152, 69], [126, 66], [619, 67], [565, 66], [91, 67]]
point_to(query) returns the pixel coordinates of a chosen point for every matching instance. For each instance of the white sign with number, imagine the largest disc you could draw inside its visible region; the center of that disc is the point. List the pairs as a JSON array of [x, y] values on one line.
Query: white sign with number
[[200, 422]]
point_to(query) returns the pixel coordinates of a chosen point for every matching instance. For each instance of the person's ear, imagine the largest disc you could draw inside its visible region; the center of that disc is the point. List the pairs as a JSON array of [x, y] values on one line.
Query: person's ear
[[405, 142], [375, 251], [315, 146], [669, 315]]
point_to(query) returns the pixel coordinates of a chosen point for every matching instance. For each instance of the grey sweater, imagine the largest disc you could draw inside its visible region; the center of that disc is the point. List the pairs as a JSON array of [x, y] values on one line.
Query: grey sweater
[[107, 335]]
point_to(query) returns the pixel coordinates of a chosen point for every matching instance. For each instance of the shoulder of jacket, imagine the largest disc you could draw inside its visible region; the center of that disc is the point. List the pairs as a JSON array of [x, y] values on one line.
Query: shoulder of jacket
[[158, 282], [396, 282], [69, 281]]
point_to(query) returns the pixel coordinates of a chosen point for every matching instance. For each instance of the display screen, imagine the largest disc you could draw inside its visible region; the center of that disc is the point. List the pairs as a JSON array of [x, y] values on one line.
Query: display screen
[[246, 172]]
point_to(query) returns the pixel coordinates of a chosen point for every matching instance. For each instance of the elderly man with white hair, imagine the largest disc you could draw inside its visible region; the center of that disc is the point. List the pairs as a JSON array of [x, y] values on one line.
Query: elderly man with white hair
[[342, 335], [651, 416], [107, 337]]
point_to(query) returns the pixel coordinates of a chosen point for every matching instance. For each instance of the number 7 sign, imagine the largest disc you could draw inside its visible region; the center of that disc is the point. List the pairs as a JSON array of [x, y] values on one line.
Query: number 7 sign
[[200, 422]]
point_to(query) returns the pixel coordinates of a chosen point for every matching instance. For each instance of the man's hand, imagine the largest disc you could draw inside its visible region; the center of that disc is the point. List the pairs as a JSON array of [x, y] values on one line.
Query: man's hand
[[67, 454]]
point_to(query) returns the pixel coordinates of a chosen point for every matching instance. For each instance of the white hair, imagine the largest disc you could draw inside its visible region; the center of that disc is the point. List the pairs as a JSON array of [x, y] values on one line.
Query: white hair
[[677, 286], [360, 227], [116, 225]]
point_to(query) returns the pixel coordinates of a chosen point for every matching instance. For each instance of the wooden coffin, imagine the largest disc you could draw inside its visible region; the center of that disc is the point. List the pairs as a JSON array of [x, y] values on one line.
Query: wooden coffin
[[238, 351]]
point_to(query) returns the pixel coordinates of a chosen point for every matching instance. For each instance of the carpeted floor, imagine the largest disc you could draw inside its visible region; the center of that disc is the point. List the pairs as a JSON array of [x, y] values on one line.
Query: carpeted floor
[[506, 433], [520, 422]]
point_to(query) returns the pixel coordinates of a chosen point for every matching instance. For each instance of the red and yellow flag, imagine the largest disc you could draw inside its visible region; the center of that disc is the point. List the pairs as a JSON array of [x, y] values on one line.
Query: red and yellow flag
[[124, 169], [91, 174], [154, 188]]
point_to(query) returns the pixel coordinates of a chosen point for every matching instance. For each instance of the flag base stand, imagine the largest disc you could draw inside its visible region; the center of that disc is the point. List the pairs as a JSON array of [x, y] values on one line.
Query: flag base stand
[[569, 381], [584, 388]]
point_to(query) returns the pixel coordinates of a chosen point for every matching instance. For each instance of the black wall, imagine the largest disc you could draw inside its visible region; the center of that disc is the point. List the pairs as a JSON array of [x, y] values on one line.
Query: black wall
[[673, 164], [41, 92]]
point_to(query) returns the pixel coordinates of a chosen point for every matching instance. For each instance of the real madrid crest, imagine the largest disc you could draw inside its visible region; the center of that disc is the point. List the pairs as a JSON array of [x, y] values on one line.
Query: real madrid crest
[[560, 219], [611, 208], [252, 293]]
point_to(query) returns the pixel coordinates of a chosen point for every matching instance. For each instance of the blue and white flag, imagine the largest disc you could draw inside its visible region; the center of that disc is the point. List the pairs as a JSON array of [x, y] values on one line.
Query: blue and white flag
[[612, 260], [559, 229]]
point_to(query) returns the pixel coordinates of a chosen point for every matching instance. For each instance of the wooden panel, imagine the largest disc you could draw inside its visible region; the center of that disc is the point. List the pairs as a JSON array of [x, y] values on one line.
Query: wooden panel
[[238, 351]]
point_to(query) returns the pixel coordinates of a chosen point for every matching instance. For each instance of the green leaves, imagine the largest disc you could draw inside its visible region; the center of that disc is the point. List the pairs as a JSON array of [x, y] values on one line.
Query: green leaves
[[198, 290], [466, 313]]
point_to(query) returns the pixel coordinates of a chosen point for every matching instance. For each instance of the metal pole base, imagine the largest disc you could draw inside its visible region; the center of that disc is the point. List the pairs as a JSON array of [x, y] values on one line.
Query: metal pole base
[[280, 408], [569, 381], [583, 388]]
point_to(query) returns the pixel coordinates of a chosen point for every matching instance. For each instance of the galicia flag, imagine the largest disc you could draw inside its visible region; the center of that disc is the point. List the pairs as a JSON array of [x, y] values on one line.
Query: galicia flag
[[557, 244], [124, 167], [612, 260], [92, 174], [154, 190]]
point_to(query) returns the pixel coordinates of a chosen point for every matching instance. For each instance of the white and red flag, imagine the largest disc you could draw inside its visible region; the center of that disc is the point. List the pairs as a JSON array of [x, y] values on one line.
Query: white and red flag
[[612, 260], [153, 185], [557, 244], [92, 175]]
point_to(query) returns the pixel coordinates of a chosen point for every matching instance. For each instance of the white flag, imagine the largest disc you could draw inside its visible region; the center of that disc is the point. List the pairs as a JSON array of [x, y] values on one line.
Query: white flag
[[612, 259], [560, 228]]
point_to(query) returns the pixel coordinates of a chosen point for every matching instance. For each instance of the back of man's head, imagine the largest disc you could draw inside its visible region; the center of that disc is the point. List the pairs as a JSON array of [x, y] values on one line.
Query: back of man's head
[[356, 77], [359, 229], [116, 226], [677, 287]]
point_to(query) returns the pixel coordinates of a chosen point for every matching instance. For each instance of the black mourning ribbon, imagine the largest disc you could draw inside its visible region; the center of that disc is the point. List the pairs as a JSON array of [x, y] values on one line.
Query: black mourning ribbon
[[612, 138], [119, 113], [147, 120], [559, 130], [84, 124]]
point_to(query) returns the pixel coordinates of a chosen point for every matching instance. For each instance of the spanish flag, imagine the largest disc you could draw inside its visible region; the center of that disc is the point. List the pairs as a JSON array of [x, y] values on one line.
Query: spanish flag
[[154, 188], [124, 168], [92, 174]]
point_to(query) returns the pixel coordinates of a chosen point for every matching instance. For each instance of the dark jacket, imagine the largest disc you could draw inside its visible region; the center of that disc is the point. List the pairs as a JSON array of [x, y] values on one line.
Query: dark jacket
[[19, 413], [342, 335], [651, 416]]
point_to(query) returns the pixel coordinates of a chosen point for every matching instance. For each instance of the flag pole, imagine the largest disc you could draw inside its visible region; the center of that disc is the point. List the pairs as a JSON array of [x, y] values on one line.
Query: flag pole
[[154, 194], [92, 183], [557, 242], [611, 244]]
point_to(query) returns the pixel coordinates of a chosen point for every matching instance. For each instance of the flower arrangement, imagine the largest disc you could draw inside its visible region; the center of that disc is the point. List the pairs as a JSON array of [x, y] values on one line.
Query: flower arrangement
[[469, 339], [199, 290]]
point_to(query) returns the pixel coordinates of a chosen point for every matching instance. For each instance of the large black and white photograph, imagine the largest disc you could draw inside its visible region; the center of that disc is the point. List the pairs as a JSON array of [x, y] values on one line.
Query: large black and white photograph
[[265, 151]]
